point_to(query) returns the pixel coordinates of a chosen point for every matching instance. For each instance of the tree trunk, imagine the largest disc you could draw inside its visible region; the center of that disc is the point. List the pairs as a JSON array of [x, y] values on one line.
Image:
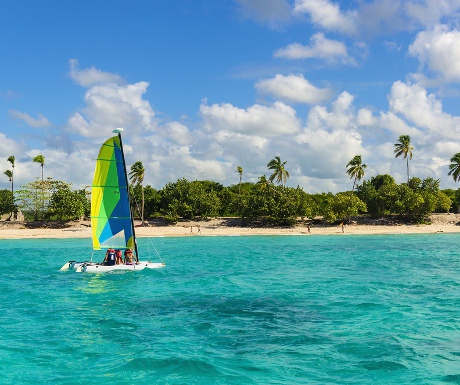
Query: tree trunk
[[407, 161]]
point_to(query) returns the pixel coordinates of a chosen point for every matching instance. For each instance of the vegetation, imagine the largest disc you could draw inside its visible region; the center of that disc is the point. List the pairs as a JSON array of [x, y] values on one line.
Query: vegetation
[[403, 147], [356, 169], [454, 167], [260, 203], [9, 174], [12, 160], [6, 202], [41, 160], [279, 172], [137, 177]]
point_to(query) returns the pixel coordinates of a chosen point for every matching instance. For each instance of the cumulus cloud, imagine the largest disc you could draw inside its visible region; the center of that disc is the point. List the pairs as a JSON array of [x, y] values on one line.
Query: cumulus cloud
[[40, 121], [8, 147], [90, 76], [178, 133], [320, 48], [439, 50], [327, 15], [316, 147], [329, 139], [431, 12], [111, 105], [293, 89], [365, 118], [279, 119], [422, 109]]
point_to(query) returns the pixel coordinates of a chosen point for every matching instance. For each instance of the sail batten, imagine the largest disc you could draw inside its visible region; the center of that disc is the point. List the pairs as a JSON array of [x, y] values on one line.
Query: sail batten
[[111, 220]]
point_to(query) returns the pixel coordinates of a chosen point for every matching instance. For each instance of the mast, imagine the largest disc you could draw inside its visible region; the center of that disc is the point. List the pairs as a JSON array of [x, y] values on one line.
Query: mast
[[118, 131]]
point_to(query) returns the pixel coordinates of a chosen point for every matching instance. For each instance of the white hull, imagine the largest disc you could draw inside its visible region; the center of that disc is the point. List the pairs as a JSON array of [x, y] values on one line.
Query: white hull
[[97, 268]]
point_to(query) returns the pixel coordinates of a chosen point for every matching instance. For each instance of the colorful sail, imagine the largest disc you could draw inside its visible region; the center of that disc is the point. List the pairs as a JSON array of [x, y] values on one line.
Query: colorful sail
[[110, 210]]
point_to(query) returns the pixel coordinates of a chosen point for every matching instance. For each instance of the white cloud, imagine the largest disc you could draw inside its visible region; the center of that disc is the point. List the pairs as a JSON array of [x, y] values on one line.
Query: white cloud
[[327, 15], [109, 106], [329, 140], [294, 89], [178, 133], [398, 126], [422, 109], [225, 135], [279, 119], [431, 12], [9, 147], [320, 48], [365, 118], [439, 50], [91, 76], [40, 121]]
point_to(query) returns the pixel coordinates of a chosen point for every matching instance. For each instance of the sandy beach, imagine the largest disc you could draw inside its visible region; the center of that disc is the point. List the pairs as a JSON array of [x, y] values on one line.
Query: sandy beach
[[440, 223]]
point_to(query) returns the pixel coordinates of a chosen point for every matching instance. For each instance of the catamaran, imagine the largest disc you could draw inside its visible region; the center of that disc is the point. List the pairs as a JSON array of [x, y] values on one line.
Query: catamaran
[[112, 222]]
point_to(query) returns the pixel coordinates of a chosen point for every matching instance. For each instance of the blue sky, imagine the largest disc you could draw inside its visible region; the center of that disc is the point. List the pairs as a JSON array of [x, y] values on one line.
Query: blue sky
[[201, 87]]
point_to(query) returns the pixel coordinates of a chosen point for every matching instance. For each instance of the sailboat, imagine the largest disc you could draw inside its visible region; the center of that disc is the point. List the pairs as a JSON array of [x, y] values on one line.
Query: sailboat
[[112, 222]]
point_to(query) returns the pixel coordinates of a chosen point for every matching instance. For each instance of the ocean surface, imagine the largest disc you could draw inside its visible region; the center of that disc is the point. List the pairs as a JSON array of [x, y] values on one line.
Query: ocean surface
[[339, 309]]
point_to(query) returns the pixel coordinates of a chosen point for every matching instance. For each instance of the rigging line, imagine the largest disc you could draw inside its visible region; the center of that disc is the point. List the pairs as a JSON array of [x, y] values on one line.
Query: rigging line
[[137, 204], [154, 248]]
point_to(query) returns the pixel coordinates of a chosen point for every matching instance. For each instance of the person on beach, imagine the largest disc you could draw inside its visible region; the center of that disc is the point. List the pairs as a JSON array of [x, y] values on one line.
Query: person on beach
[[343, 227], [308, 228], [129, 257], [199, 230], [191, 229]]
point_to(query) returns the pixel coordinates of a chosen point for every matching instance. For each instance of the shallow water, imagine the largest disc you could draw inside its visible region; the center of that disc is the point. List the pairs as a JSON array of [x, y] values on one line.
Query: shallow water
[[236, 310]]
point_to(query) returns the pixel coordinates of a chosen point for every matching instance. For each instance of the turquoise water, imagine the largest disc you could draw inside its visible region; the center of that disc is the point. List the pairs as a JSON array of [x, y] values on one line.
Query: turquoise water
[[236, 310]]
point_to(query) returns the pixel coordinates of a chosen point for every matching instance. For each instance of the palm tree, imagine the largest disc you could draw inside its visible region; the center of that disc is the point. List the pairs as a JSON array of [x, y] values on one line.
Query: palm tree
[[239, 170], [403, 147], [279, 172], [9, 174], [137, 176], [39, 159], [356, 169], [454, 167], [262, 182], [11, 159]]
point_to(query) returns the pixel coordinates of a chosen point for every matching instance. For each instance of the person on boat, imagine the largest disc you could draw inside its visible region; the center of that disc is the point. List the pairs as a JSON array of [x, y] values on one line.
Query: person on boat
[[110, 257], [129, 260], [119, 258]]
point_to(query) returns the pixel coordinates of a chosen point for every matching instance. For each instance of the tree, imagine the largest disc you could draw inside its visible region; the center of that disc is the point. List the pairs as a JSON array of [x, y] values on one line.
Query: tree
[[12, 159], [67, 204], [239, 170], [342, 206], [279, 172], [403, 147], [356, 169], [6, 202], [9, 174], [34, 197], [262, 183], [190, 199], [137, 176], [40, 159], [454, 167]]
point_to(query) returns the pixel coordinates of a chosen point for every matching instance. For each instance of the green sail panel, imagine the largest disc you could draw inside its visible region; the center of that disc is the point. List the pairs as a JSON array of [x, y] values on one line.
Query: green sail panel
[[110, 210]]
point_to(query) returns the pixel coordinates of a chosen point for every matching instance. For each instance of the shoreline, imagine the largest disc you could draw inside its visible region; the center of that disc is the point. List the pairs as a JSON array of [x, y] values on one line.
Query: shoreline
[[440, 223]]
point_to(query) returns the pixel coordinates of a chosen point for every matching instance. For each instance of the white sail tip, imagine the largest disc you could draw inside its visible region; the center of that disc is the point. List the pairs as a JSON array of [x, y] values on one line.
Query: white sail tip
[[118, 130]]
